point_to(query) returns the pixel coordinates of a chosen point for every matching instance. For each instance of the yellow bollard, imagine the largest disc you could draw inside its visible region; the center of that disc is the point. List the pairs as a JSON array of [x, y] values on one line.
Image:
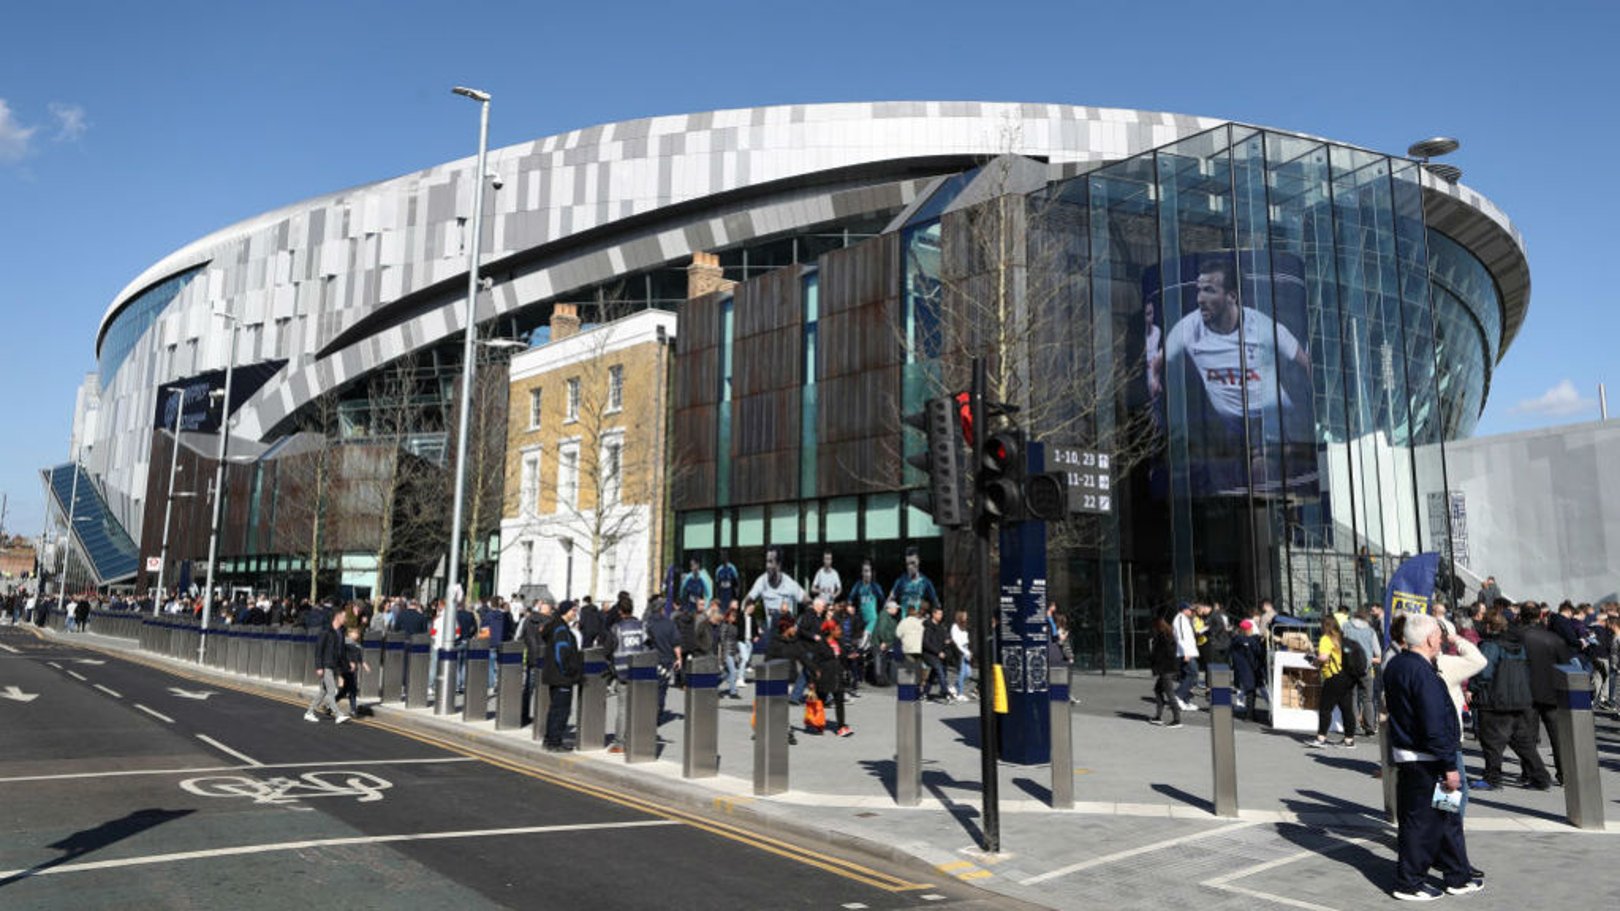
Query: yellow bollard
[[999, 694]]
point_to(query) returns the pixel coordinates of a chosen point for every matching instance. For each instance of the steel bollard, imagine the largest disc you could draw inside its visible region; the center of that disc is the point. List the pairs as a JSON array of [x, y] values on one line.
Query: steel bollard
[[475, 702], [509, 686], [1223, 740], [418, 654], [444, 701], [700, 740], [303, 656], [371, 646], [228, 645], [592, 733], [1062, 717], [641, 740], [393, 666], [771, 729], [257, 651], [1386, 764], [282, 668], [1577, 747], [908, 734]]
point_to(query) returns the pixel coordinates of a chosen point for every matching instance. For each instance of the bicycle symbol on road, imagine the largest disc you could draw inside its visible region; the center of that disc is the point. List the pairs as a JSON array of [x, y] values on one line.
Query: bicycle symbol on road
[[364, 787]]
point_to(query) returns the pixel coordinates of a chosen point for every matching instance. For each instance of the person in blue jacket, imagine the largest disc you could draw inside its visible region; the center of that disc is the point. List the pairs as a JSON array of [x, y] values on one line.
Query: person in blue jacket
[[1425, 740]]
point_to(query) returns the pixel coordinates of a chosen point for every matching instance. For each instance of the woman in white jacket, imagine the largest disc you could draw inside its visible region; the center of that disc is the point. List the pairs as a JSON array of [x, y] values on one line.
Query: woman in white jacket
[[1455, 671], [964, 667]]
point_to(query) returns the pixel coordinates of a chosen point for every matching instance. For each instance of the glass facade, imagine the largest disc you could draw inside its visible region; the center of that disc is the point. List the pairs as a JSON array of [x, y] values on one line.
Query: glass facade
[[136, 317], [1272, 297]]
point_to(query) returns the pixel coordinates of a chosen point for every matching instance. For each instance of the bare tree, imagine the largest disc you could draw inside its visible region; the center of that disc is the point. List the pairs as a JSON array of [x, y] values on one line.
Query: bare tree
[[307, 488], [486, 454], [402, 492]]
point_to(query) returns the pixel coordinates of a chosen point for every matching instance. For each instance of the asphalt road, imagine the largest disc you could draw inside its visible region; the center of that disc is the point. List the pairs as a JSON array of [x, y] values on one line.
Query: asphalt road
[[123, 785]]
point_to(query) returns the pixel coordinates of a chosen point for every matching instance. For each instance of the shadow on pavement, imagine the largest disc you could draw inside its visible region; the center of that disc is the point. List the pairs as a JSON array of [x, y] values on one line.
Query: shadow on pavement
[[1328, 803], [883, 770], [1377, 869], [966, 728], [1364, 766], [1192, 800], [1515, 808], [966, 815], [1035, 789], [83, 842]]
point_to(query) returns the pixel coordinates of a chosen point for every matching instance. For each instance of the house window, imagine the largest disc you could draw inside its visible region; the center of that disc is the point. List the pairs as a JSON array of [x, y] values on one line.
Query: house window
[[568, 476], [612, 469], [529, 493], [615, 399], [573, 398], [534, 409], [528, 562]]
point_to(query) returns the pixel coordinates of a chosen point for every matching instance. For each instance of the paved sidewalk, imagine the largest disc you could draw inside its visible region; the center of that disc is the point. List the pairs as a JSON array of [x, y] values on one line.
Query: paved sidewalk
[[1310, 834]]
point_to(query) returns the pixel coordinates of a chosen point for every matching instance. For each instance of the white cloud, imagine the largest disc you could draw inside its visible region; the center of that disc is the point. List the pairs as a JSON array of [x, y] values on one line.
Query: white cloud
[[1561, 400], [14, 137], [70, 122]]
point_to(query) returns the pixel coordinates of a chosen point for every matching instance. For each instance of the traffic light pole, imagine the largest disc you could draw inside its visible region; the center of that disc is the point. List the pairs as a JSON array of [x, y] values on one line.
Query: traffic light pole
[[984, 645]]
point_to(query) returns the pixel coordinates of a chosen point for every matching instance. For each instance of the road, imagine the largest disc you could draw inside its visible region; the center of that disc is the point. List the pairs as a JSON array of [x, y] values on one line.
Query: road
[[124, 785]]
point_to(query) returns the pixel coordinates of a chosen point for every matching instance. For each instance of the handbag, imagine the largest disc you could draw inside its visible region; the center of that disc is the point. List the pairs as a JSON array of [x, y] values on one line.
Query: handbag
[[815, 714]]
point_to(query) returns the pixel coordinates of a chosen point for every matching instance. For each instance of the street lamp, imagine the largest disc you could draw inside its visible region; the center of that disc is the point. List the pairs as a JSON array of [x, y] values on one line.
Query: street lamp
[[219, 485], [1434, 147], [447, 694], [168, 498], [568, 579]]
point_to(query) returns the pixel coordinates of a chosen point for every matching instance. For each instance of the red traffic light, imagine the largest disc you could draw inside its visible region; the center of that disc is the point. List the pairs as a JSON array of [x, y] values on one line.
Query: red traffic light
[[964, 415], [1001, 453]]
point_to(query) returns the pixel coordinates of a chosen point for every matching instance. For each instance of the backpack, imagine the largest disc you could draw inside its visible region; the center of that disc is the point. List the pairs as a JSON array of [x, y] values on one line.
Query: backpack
[[1507, 689], [1355, 659]]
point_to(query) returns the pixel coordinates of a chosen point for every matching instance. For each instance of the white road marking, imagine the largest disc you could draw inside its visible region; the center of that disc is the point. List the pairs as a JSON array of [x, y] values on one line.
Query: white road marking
[[113, 693], [1133, 852], [88, 661], [119, 773], [1224, 882], [158, 715], [54, 664], [225, 749], [15, 694], [201, 695], [76, 675], [10, 649], [325, 843], [854, 906]]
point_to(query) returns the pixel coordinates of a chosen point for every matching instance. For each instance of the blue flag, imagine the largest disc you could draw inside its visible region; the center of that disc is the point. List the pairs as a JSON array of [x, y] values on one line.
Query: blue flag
[[1411, 588]]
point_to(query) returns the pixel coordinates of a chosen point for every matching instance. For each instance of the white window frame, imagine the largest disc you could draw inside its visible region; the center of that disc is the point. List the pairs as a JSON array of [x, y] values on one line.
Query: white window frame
[[615, 389], [528, 561], [612, 481], [568, 475], [529, 483], [573, 399], [536, 402]]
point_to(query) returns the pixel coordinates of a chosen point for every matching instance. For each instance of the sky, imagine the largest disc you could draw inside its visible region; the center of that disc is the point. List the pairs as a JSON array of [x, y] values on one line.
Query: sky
[[128, 130]]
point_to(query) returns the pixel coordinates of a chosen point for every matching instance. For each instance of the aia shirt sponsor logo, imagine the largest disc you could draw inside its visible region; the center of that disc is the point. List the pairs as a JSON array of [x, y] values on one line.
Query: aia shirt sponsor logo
[[1230, 376]]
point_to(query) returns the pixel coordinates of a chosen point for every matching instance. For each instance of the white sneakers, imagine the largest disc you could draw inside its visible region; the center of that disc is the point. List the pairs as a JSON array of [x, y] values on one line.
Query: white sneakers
[[311, 716], [342, 718]]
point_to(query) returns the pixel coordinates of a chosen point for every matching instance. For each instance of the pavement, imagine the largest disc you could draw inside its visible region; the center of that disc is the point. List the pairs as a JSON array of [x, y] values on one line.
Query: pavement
[[1310, 833]]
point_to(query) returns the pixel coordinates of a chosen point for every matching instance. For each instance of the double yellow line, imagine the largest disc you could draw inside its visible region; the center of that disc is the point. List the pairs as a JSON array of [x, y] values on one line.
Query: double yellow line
[[798, 853]]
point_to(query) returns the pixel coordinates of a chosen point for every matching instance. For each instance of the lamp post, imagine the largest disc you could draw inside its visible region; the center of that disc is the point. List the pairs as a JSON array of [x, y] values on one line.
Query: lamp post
[[468, 353], [219, 486], [168, 497], [73, 506], [568, 577]]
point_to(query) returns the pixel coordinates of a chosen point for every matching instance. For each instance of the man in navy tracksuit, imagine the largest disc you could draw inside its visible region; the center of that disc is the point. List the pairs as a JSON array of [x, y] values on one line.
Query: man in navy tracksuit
[[1425, 736]]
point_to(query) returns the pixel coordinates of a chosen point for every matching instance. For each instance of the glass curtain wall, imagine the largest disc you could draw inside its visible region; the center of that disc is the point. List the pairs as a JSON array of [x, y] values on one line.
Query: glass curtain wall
[[1270, 296]]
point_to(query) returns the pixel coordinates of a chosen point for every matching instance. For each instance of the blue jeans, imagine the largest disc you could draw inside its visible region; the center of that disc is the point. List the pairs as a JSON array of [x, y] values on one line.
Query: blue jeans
[[963, 672], [936, 673], [799, 686], [1189, 676], [734, 670]]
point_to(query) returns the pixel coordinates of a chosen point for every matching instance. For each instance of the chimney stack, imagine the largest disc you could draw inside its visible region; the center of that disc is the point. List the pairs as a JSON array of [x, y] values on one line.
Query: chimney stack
[[705, 276], [564, 321]]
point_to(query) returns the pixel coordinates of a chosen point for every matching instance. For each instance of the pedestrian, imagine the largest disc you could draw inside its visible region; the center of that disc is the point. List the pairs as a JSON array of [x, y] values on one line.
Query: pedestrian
[[829, 666], [1248, 668], [964, 655], [784, 645], [1425, 737], [354, 661], [1504, 707], [1338, 687], [1164, 656], [1187, 652], [563, 670], [627, 638], [936, 639], [1545, 650], [884, 639], [1360, 631], [328, 667], [664, 638], [730, 652]]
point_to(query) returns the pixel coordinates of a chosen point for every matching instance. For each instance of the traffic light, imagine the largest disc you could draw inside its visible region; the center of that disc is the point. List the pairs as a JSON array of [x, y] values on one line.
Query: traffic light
[[1001, 475], [1046, 497], [943, 497]]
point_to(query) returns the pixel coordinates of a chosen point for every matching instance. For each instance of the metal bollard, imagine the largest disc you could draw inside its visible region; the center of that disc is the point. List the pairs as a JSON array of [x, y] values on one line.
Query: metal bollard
[[641, 740], [1577, 747], [303, 656], [509, 686], [282, 668], [475, 702], [1062, 743], [419, 653], [258, 651], [371, 646], [393, 666], [1386, 765], [771, 727], [444, 701], [228, 644], [907, 734], [593, 702], [700, 740], [1223, 740]]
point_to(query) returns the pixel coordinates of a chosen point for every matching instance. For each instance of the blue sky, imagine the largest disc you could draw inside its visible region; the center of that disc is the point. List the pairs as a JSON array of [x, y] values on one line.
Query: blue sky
[[128, 130]]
